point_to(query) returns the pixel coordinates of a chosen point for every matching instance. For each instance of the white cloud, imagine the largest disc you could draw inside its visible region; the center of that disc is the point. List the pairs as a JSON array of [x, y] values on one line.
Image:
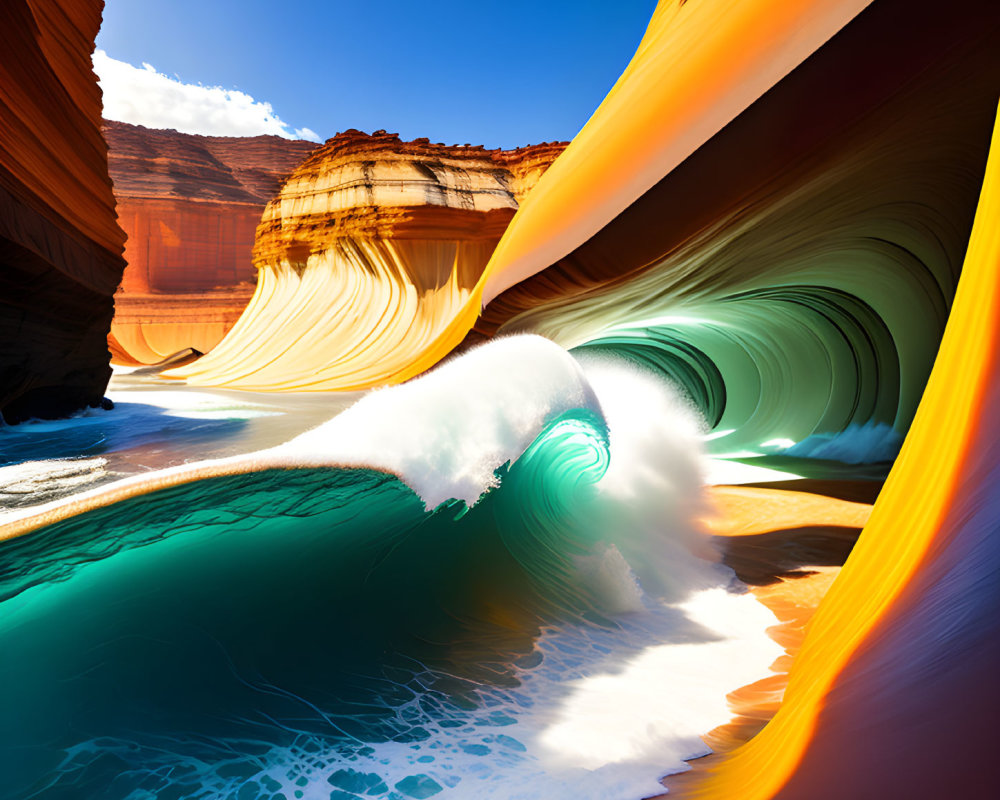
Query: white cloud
[[144, 96], [307, 133]]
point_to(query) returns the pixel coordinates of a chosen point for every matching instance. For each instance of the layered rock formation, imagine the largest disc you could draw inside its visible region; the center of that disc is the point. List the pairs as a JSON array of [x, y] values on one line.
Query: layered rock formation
[[60, 246], [368, 251], [190, 206]]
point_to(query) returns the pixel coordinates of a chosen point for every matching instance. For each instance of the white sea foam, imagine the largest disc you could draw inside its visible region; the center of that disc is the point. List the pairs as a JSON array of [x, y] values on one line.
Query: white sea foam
[[586, 727], [724, 471], [35, 482], [652, 491], [445, 433], [654, 708]]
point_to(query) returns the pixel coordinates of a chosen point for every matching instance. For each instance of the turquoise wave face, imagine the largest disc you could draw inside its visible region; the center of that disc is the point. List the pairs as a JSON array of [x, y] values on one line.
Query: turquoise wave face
[[301, 633]]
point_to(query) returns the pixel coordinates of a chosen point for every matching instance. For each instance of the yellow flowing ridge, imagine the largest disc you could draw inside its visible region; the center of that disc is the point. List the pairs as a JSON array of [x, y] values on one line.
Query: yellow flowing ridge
[[697, 67]]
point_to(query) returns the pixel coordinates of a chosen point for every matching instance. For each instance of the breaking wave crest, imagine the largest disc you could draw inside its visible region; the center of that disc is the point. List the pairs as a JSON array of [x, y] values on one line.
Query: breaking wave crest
[[375, 607]]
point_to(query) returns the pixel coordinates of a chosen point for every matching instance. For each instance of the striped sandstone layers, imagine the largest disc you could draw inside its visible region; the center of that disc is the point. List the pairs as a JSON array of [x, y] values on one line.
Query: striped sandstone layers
[[60, 245], [368, 251], [190, 206]]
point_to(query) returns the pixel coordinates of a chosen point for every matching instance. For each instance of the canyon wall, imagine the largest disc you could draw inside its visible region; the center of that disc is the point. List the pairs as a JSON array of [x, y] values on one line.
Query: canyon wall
[[190, 206], [370, 248], [60, 245]]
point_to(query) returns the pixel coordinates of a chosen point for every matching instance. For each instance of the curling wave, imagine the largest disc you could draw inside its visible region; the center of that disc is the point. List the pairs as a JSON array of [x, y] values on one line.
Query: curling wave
[[378, 593]]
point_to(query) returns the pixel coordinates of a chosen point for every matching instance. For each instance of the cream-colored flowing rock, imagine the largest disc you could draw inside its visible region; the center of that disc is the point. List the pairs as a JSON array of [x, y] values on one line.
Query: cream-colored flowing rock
[[368, 252]]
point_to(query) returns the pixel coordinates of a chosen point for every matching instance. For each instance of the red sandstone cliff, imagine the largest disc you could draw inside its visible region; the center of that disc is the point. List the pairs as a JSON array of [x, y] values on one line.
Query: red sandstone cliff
[[380, 186], [190, 206], [60, 246]]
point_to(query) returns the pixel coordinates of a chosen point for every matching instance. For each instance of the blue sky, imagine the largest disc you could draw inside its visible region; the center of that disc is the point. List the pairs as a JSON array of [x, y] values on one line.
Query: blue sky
[[494, 73]]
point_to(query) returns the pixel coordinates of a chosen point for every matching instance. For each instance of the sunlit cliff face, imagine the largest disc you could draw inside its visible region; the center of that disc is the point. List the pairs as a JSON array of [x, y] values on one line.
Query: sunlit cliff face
[[370, 250], [190, 206]]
